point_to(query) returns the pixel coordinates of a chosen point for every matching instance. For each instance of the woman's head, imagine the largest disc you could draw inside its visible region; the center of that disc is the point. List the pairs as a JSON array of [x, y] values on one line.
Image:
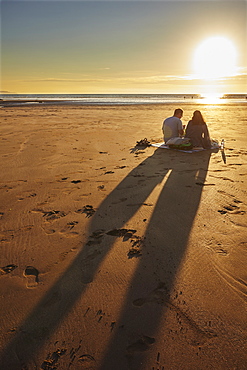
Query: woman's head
[[197, 118]]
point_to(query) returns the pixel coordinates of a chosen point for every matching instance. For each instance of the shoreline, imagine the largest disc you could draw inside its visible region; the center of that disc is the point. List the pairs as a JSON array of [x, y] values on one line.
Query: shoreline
[[119, 99], [9, 104]]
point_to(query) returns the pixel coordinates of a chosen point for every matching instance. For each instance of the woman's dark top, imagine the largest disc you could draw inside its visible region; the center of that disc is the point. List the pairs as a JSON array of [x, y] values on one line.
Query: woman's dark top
[[198, 135]]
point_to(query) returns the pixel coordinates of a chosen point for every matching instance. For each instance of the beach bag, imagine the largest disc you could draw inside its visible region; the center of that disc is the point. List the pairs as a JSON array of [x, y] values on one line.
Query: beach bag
[[182, 143]]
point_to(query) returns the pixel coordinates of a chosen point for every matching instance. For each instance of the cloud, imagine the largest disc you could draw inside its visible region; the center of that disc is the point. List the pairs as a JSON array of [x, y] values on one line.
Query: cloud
[[140, 80], [241, 75]]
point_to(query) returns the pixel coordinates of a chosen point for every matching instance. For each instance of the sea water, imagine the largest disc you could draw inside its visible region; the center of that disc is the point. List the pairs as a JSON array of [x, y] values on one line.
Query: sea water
[[118, 99]]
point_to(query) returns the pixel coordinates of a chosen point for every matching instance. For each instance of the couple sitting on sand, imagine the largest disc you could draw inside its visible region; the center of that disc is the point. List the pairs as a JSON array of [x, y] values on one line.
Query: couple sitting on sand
[[196, 129]]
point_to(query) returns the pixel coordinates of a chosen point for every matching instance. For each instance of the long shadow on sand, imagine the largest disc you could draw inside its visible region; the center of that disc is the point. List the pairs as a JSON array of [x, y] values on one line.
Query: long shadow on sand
[[177, 205], [151, 287]]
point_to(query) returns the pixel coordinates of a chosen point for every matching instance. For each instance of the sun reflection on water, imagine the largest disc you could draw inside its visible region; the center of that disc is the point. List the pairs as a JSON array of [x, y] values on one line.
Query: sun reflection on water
[[212, 98]]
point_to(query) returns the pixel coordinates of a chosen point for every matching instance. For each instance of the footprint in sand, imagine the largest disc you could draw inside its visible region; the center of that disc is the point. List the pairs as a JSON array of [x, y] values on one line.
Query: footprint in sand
[[52, 359], [140, 345], [66, 231], [86, 362], [120, 167], [48, 231], [53, 215], [125, 233], [231, 209], [32, 275], [137, 244], [49, 215], [88, 210], [7, 269], [107, 172], [75, 181]]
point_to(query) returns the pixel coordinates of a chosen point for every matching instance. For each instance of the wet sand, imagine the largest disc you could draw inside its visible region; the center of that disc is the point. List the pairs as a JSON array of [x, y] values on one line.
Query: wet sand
[[120, 257]]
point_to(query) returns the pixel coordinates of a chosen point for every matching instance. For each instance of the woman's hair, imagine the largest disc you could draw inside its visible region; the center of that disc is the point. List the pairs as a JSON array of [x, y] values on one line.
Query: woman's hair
[[197, 118]]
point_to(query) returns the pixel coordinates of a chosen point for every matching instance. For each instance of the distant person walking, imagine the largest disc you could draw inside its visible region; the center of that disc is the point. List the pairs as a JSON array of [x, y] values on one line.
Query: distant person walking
[[197, 131], [172, 126]]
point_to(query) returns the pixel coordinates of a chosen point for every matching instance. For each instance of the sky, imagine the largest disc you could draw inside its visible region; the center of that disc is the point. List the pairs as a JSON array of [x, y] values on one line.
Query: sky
[[87, 47]]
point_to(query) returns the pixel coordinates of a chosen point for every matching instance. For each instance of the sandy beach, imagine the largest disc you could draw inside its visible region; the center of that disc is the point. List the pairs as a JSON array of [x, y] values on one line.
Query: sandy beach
[[119, 257]]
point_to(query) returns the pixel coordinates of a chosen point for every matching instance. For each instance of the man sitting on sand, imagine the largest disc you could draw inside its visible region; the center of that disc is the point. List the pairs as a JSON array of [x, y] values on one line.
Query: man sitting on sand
[[172, 126]]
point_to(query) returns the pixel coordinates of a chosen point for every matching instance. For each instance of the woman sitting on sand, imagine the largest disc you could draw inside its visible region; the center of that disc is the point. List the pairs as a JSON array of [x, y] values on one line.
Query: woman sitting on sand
[[197, 131]]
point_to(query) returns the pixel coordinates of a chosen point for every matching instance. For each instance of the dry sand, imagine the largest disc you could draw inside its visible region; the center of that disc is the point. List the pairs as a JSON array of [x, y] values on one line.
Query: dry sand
[[117, 258]]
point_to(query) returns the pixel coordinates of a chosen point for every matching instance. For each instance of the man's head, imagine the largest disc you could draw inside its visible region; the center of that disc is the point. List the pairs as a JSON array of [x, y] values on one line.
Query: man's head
[[178, 113]]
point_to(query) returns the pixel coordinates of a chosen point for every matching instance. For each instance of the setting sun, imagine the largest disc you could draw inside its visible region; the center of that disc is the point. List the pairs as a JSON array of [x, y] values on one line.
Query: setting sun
[[215, 58], [211, 98]]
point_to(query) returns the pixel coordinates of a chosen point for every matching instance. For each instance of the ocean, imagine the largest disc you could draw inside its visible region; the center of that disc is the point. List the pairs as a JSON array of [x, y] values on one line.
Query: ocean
[[117, 99]]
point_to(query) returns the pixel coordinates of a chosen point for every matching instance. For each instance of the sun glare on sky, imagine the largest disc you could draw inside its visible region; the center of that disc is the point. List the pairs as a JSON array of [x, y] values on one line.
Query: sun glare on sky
[[216, 57], [110, 47]]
